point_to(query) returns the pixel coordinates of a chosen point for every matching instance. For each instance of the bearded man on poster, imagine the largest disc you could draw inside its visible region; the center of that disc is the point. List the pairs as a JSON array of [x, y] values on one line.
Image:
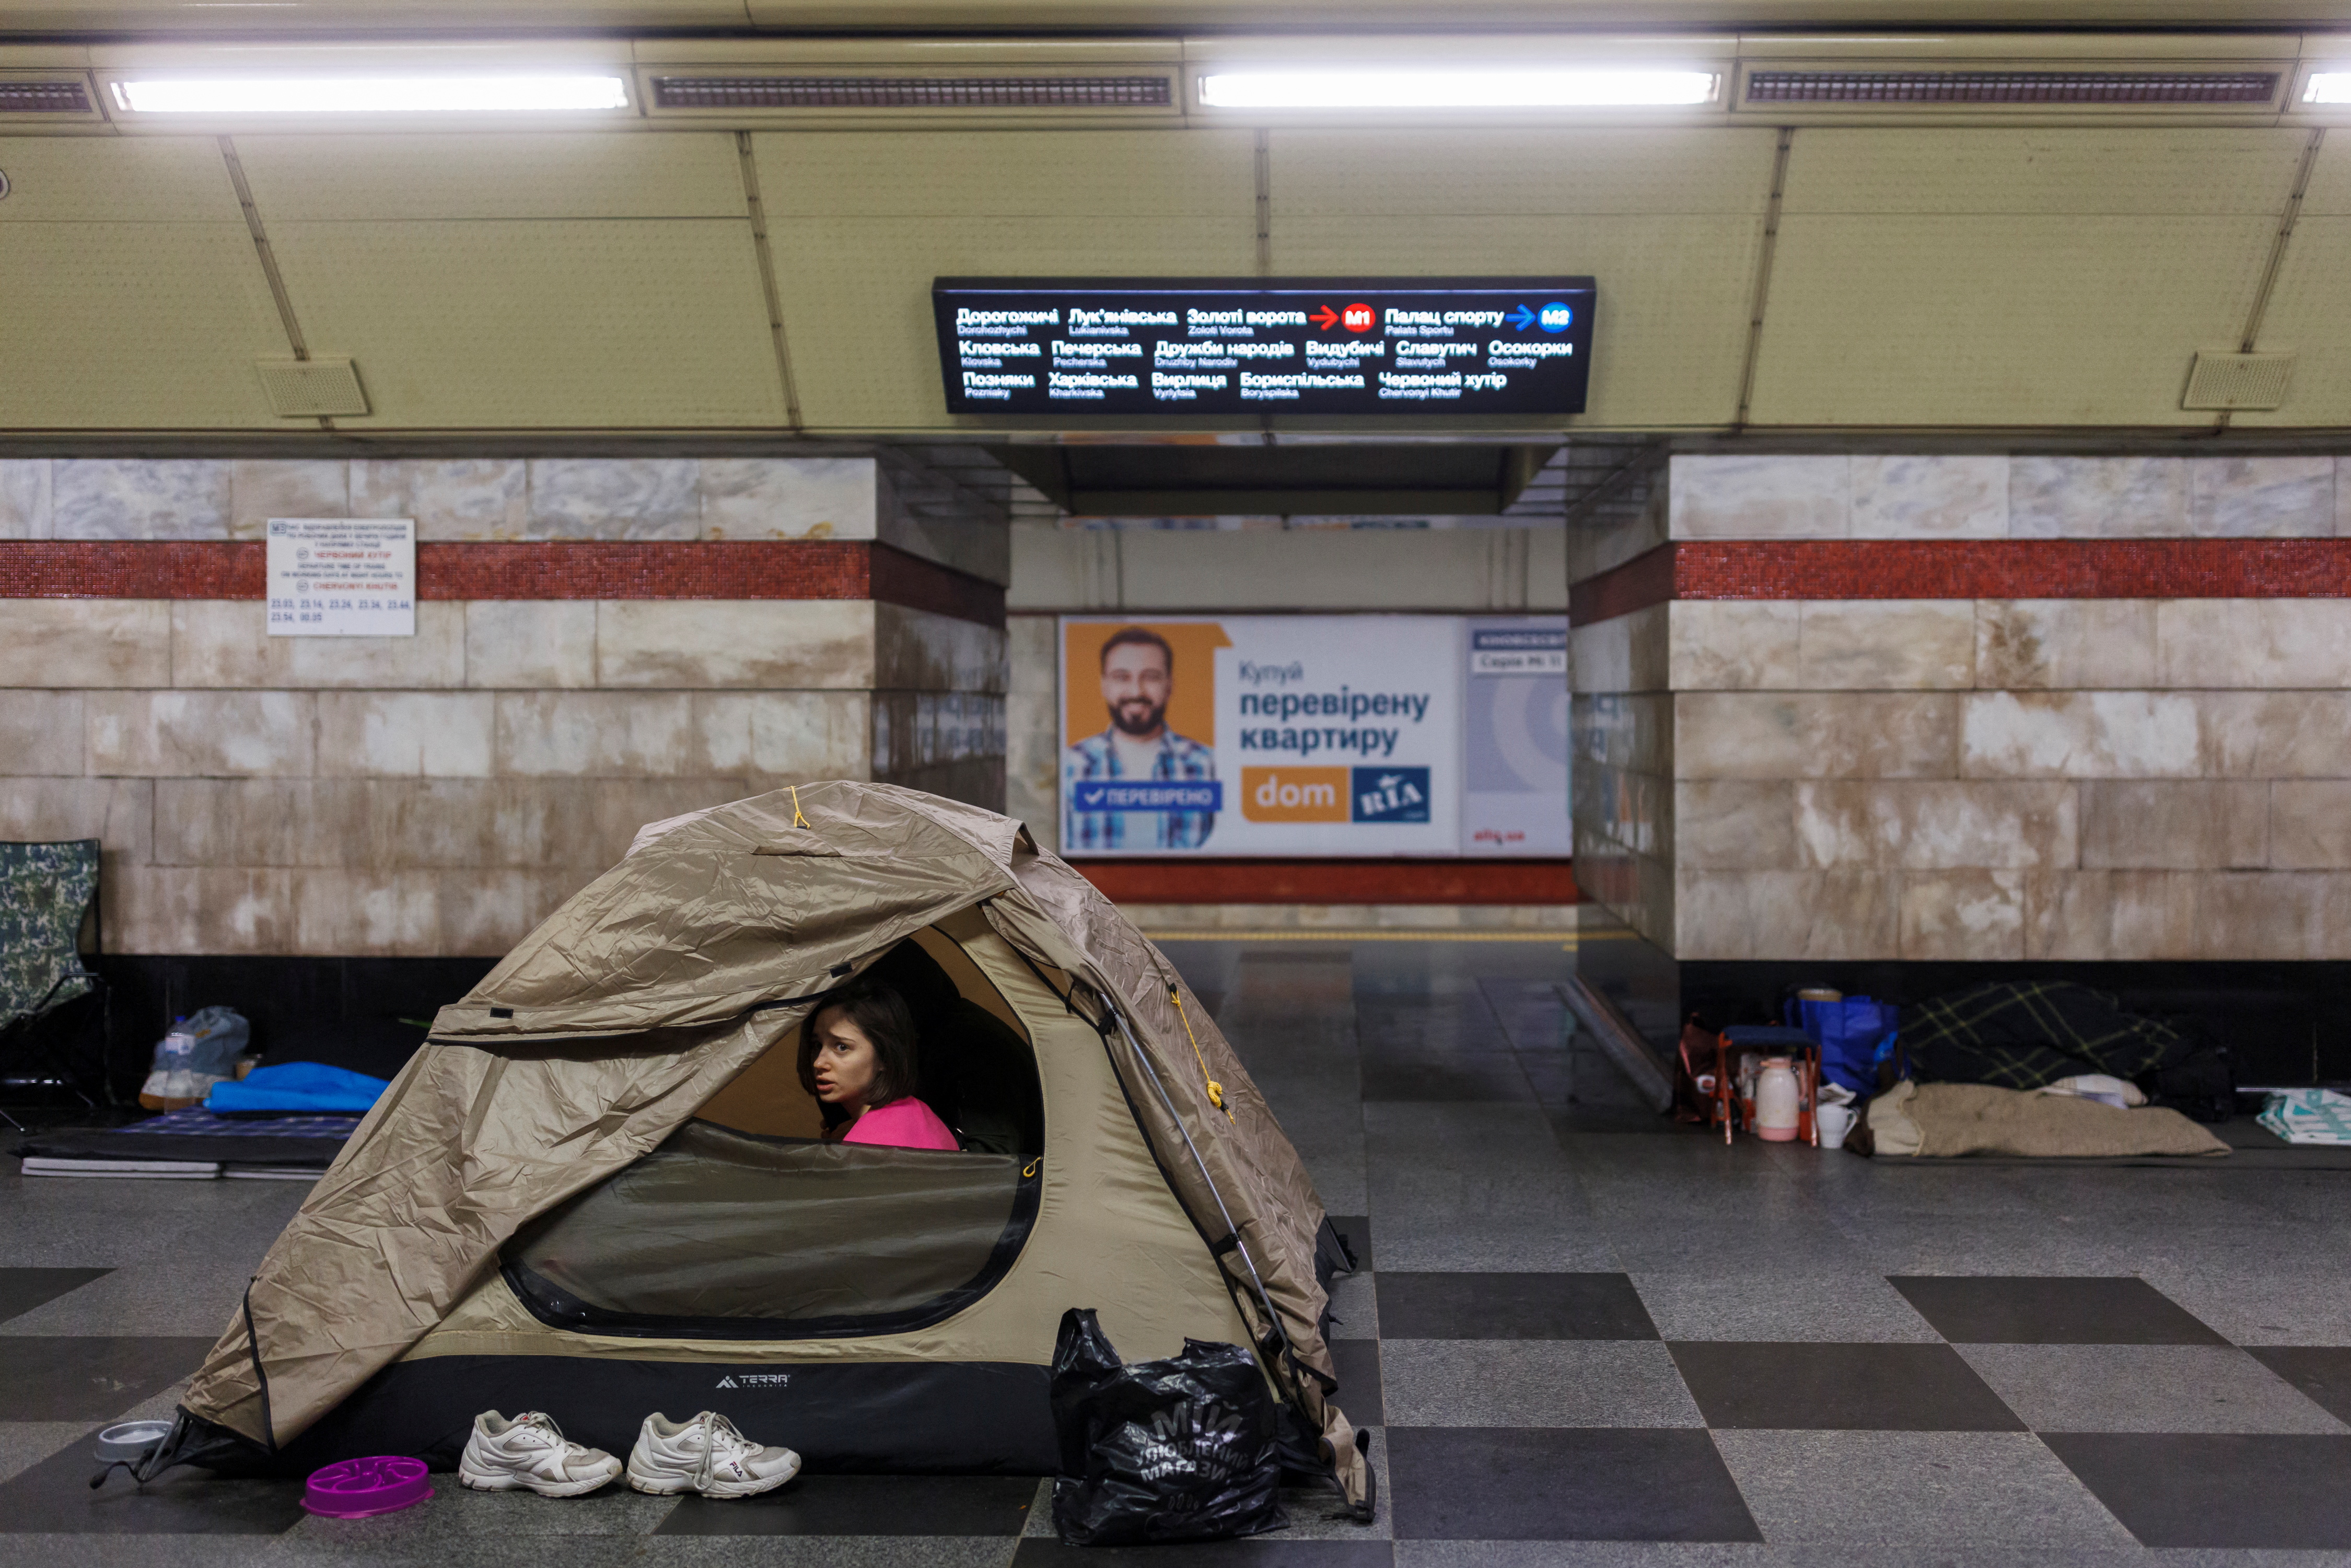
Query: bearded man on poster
[[1138, 674]]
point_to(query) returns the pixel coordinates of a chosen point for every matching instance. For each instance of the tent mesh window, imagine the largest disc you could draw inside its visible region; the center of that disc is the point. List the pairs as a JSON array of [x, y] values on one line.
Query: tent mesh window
[[724, 1235], [2012, 87]]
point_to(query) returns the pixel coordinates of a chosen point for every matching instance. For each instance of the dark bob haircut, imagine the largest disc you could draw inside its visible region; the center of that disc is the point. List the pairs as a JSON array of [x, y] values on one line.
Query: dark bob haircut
[[1142, 636], [889, 1023]]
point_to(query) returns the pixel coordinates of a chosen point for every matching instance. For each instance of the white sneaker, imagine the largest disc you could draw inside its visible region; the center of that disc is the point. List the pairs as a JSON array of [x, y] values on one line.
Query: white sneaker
[[706, 1455], [530, 1451]]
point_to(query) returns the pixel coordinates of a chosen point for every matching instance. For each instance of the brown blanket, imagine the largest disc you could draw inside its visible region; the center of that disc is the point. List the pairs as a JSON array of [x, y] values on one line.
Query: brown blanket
[[1939, 1120]]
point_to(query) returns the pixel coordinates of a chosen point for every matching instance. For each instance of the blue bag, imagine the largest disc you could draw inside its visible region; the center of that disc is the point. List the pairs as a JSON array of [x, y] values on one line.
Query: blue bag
[[1854, 1034], [305, 1088]]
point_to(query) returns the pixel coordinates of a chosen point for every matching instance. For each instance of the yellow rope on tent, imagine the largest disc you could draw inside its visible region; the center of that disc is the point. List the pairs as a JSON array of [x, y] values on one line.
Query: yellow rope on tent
[[798, 820], [1216, 1090]]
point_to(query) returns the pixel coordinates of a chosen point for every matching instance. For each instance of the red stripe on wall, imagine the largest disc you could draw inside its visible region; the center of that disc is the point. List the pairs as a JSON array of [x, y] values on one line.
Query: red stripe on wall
[[562, 568], [898, 578], [602, 569], [1967, 569], [1333, 881], [1644, 581]]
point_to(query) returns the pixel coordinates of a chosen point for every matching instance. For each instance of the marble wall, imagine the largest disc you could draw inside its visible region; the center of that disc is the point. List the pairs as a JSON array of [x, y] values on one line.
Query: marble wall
[[1976, 780], [1621, 772], [882, 494], [440, 794], [2001, 497]]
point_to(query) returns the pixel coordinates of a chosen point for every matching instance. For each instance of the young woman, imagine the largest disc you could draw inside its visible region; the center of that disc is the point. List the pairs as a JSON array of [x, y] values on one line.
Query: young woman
[[857, 1056]]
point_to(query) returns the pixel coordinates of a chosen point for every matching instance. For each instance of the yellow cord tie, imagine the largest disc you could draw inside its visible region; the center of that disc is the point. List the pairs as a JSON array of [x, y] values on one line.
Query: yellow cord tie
[[798, 820], [1216, 1090]]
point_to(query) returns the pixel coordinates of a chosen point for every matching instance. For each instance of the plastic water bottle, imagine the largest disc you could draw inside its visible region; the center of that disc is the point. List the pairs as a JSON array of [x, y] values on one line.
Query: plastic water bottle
[[178, 1050], [1776, 1101]]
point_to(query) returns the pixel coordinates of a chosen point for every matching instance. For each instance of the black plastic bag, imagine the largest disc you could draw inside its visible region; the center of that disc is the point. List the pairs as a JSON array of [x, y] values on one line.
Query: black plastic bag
[[1181, 1449]]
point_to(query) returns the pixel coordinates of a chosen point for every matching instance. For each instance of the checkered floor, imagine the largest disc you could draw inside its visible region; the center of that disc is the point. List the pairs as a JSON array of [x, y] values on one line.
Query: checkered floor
[[1577, 1339]]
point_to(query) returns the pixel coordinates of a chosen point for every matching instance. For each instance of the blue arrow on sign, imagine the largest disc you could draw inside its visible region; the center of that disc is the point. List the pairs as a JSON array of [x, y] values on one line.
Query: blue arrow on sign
[[1522, 317]]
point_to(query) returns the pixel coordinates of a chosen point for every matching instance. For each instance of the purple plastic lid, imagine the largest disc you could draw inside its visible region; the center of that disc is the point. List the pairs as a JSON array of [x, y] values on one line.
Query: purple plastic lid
[[355, 1489]]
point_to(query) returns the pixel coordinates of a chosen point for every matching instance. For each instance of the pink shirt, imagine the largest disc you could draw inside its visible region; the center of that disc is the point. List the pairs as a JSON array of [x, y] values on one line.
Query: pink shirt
[[901, 1123]]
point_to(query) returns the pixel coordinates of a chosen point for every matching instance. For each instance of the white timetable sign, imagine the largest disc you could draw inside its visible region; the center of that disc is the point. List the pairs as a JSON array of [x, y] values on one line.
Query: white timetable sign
[[342, 577]]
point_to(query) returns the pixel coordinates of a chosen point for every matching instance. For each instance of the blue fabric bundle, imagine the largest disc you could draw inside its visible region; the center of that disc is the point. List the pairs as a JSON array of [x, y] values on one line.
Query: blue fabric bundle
[[298, 1088], [1855, 1035]]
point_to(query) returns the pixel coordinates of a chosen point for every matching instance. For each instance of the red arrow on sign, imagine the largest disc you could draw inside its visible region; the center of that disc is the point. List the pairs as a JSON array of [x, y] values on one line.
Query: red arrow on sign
[[1325, 317]]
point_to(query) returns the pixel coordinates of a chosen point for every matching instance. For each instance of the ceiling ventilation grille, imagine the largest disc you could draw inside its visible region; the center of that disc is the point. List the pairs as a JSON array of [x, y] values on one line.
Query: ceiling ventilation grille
[[305, 389], [912, 92], [2012, 87], [43, 97], [2237, 381]]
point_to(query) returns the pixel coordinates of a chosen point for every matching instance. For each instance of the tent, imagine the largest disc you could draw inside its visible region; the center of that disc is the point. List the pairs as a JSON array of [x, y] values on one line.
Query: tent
[[598, 1188]]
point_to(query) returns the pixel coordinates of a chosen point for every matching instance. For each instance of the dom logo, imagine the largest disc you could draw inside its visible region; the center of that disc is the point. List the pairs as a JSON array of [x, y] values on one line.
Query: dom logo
[[1391, 794], [1294, 794], [1555, 317]]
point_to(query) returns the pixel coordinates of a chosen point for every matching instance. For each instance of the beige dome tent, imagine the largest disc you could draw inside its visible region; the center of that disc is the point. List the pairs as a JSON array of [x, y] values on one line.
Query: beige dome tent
[[598, 1189]]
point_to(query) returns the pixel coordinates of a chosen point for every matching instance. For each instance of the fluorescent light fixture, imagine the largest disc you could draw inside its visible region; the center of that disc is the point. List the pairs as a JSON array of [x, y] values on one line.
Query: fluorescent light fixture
[[1471, 89], [370, 94], [2328, 86]]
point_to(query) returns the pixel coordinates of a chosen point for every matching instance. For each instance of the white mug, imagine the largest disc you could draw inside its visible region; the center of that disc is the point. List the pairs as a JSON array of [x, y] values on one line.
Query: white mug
[[1834, 1123]]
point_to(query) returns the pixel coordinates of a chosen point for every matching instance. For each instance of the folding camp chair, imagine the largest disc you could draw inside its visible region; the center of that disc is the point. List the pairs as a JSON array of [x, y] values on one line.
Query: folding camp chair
[[49, 892]]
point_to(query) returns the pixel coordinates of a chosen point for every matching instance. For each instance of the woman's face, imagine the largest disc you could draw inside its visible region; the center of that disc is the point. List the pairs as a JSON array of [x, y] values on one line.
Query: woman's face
[[844, 1061]]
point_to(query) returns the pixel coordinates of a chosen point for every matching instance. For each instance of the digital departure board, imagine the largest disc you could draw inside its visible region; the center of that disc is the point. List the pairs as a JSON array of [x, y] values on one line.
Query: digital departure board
[[1176, 345]]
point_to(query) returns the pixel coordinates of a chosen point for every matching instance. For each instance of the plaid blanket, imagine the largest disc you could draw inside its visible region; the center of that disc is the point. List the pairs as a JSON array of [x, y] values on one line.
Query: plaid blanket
[[197, 1121], [2020, 1036]]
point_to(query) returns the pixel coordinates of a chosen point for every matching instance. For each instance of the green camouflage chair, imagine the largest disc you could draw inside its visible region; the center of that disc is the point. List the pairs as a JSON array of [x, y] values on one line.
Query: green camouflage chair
[[48, 893]]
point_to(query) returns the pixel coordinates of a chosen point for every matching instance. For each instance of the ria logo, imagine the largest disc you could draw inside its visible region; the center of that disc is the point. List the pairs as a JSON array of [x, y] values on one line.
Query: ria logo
[[1555, 317], [1391, 794]]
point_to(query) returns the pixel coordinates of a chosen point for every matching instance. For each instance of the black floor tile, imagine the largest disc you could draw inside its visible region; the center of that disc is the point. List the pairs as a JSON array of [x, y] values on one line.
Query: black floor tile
[[1511, 1306], [1271, 1551], [2217, 1490], [1358, 1365], [1562, 1483], [21, 1290], [1827, 1387], [865, 1505], [54, 1498], [2023, 1309], [2322, 1372], [1485, 1075], [58, 1378], [1357, 1230]]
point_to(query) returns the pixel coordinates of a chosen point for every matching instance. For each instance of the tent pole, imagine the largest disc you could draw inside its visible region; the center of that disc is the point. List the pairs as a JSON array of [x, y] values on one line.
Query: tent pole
[[1198, 1164], [1264, 1298]]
